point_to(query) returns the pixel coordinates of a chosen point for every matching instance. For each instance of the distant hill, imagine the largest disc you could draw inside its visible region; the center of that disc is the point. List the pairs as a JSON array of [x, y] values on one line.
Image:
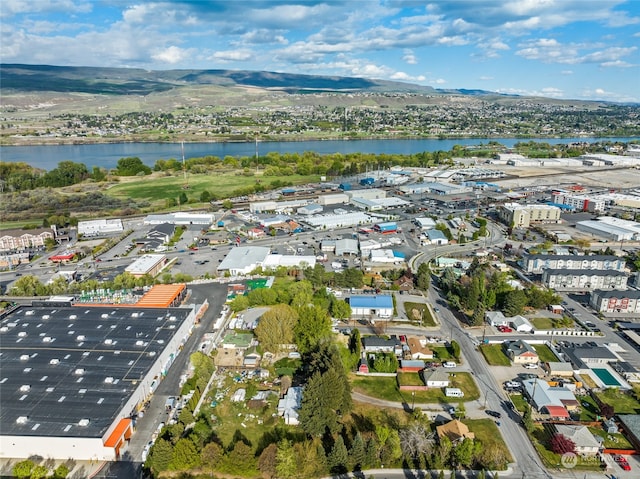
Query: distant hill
[[128, 81]]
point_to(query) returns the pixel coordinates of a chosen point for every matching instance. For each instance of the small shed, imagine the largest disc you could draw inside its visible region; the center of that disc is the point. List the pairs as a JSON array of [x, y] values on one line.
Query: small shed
[[556, 308]]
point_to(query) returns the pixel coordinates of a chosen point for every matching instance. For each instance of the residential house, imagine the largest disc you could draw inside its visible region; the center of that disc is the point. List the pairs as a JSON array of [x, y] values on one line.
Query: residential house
[[376, 344], [520, 352], [436, 378], [496, 318], [558, 368], [455, 430], [586, 444], [630, 423], [543, 395], [418, 348], [289, 405]]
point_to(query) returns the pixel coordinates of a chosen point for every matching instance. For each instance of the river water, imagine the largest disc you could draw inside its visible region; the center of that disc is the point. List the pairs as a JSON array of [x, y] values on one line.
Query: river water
[[107, 155]]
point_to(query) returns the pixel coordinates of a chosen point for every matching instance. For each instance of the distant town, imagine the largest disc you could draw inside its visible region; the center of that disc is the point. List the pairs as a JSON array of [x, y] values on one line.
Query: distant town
[[470, 314]]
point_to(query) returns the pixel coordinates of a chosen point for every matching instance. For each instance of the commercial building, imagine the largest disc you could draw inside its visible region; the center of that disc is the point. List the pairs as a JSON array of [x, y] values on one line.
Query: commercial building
[[310, 209], [333, 199], [581, 279], [277, 206], [75, 376], [242, 260], [591, 204], [368, 194], [385, 256], [100, 227], [148, 264], [522, 216], [372, 305], [535, 263], [627, 302], [181, 218], [425, 223], [435, 236]]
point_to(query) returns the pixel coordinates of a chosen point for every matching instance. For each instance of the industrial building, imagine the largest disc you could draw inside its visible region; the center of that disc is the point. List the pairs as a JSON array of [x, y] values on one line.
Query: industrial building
[[100, 227], [333, 199], [367, 194], [276, 206], [581, 279], [535, 263], [242, 260], [522, 216], [612, 228], [310, 209], [615, 301], [73, 376], [339, 220], [181, 218], [385, 256]]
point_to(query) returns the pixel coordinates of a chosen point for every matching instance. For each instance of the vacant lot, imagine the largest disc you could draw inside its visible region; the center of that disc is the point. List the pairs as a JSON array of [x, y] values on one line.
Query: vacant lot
[[623, 403], [222, 185], [488, 434], [419, 312], [387, 388], [494, 355]]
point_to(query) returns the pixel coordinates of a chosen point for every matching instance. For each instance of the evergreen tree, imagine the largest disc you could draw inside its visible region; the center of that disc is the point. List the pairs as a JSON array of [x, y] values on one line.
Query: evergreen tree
[[527, 418], [286, 465], [371, 454], [268, 460], [357, 453], [338, 458], [160, 456]]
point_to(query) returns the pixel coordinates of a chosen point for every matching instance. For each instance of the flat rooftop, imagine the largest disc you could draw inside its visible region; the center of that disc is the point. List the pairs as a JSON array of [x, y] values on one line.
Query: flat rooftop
[[60, 365]]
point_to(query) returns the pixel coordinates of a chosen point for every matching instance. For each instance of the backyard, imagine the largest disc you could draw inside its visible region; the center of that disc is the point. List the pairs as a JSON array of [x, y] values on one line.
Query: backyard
[[623, 403]]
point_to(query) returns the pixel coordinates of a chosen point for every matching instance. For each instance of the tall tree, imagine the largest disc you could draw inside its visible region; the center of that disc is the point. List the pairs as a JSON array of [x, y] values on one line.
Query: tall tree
[[268, 460], [321, 403], [338, 457], [185, 455], [286, 465], [313, 326], [276, 327], [357, 453], [211, 455], [160, 456]]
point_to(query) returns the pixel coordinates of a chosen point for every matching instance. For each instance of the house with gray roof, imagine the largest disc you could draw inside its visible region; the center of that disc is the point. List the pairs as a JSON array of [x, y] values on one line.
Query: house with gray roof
[[586, 444], [520, 352]]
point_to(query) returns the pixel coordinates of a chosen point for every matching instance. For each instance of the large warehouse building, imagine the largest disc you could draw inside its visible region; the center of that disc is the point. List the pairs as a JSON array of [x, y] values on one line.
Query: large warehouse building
[[72, 377]]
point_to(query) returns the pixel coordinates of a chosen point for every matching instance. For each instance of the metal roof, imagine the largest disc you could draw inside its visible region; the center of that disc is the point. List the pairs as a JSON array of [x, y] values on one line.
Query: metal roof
[[374, 301]]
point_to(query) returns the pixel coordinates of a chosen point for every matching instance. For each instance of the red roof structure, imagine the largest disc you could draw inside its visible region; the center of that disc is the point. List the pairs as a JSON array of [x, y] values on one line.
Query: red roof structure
[[556, 411]]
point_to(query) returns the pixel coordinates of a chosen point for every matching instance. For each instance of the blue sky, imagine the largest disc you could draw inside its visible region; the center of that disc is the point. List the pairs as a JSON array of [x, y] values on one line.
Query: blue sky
[[579, 49]]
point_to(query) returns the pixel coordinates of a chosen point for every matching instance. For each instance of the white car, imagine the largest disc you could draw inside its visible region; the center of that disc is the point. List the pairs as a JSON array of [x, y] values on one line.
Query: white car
[[531, 366]]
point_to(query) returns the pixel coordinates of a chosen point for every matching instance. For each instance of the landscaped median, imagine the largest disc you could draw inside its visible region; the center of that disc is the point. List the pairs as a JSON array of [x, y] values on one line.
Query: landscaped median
[[388, 388]]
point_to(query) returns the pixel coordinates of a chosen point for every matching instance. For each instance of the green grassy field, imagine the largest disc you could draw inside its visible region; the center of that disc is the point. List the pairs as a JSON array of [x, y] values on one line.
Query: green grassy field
[[387, 388], [441, 353], [410, 379], [422, 313], [614, 441], [518, 401], [542, 323], [222, 185], [544, 353], [494, 355]]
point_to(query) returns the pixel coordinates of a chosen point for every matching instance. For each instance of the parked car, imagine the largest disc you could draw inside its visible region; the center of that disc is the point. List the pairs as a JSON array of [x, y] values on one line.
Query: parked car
[[531, 366], [495, 414]]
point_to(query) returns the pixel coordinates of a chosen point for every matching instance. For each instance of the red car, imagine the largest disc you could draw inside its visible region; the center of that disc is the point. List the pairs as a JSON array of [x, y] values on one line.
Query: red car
[[623, 463], [505, 329]]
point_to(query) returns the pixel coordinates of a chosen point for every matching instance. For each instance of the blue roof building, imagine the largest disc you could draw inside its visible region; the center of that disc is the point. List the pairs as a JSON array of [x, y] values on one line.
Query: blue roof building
[[374, 305]]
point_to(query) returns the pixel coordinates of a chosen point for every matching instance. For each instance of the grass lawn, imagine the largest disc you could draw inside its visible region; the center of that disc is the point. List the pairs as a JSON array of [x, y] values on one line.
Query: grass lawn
[[544, 353], [588, 413], [387, 388], [410, 379], [614, 441], [622, 403], [518, 401], [488, 434], [222, 184], [542, 323], [419, 312], [441, 353], [494, 355]]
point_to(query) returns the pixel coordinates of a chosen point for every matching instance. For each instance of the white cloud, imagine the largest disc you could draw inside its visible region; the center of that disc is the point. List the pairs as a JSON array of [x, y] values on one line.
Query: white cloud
[[485, 78], [566, 72], [402, 76], [409, 57], [171, 55], [232, 56], [438, 81]]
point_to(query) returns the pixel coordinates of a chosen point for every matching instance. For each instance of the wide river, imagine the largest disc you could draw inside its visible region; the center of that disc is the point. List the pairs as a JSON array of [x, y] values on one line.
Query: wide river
[[106, 155]]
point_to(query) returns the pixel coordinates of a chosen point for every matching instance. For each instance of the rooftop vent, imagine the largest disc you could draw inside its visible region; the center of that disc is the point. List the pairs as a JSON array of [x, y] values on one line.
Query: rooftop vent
[[108, 380], [83, 422], [22, 419], [24, 357], [22, 334], [79, 372], [46, 316], [4, 329], [47, 339], [135, 315], [81, 337], [104, 316], [108, 341], [73, 316], [172, 318], [25, 388], [31, 312]]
